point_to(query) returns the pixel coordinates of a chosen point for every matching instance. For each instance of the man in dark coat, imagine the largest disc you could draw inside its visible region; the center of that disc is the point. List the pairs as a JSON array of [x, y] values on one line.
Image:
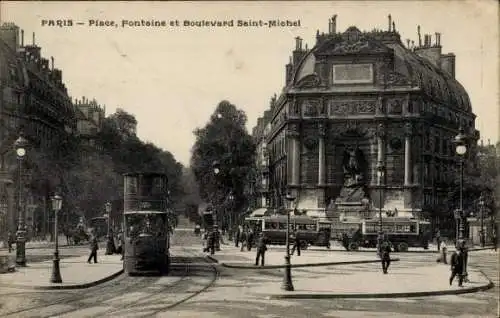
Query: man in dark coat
[[94, 246], [296, 242], [457, 263], [211, 242], [238, 236], [438, 240], [261, 250], [385, 254], [250, 237], [10, 240]]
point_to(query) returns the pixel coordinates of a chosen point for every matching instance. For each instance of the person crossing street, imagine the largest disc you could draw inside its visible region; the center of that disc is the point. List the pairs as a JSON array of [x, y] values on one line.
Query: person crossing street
[[261, 250], [94, 246]]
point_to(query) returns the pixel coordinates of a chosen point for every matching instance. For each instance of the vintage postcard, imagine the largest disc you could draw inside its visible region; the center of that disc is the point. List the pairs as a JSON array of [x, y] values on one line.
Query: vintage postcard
[[249, 159]]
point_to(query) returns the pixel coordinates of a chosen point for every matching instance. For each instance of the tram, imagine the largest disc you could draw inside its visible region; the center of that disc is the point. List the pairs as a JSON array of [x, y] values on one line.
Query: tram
[[146, 234]]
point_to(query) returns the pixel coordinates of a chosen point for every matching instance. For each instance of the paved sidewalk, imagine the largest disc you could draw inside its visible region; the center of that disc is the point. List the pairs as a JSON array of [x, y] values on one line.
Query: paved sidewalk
[[75, 272], [339, 282], [231, 256]]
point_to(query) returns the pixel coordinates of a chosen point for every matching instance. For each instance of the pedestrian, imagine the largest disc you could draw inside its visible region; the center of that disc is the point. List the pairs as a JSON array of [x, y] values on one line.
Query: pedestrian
[[238, 235], [457, 263], [211, 242], [345, 241], [94, 246], [444, 249], [121, 244], [296, 242], [261, 250], [494, 239], [250, 237], [204, 238], [10, 240], [385, 254], [217, 238], [438, 240], [243, 239]]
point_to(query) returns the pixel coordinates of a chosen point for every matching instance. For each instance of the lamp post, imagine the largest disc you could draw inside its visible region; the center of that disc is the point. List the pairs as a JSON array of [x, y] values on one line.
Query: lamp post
[[56, 273], [287, 279], [481, 211], [216, 169], [380, 175], [461, 149], [109, 244], [460, 142], [20, 145], [230, 225]]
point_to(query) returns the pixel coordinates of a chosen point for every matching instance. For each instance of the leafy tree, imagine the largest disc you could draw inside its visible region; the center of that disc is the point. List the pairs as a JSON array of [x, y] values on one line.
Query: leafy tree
[[223, 140]]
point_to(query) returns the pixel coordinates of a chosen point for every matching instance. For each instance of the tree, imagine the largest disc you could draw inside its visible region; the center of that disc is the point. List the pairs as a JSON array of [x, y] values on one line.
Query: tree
[[224, 140]]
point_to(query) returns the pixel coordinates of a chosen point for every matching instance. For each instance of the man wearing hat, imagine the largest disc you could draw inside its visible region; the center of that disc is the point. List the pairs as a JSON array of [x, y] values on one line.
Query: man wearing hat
[[261, 250]]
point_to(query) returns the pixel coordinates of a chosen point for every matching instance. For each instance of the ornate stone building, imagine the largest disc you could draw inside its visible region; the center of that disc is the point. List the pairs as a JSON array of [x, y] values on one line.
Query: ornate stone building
[[90, 116], [33, 99], [359, 100]]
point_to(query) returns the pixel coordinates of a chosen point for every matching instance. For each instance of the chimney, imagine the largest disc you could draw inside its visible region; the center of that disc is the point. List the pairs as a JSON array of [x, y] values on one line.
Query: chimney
[[330, 25], [52, 62], [288, 72], [393, 27], [22, 38], [334, 24], [408, 43], [419, 36], [390, 22], [33, 41], [9, 33]]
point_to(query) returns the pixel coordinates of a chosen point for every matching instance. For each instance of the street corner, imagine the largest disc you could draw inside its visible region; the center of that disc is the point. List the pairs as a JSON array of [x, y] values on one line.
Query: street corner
[[75, 272], [399, 283]]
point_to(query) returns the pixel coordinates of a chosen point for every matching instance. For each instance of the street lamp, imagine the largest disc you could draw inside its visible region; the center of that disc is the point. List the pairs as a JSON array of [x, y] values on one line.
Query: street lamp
[[380, 175], [481, 211], [231, 201], [20, 145], [287, 279], [56, 273], [461, 149], [216, 169], [460, 143], [109, 245]]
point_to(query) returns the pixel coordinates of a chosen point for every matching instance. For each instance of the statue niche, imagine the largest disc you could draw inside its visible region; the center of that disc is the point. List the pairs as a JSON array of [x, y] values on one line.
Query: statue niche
[[354, 166]]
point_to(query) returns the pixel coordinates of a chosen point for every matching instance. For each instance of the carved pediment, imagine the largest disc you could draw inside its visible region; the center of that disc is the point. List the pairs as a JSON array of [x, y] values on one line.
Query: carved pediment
[[397, 79], [308, 81], [357, 45]]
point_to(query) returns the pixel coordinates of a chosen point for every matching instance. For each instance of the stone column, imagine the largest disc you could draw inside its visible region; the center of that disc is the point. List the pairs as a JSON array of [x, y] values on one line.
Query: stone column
[[293, 133], [408, 165], [321, 154]]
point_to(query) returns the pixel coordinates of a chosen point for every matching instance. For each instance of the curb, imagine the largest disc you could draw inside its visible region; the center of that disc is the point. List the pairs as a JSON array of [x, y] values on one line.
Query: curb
[[296, 265], [62, 287], [388, 295], [81, 286]]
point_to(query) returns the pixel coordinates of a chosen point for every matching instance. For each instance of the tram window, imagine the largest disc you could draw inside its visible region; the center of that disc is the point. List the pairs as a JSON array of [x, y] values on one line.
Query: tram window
[[132, 185], [158, 186], [282, 226], [412, 228]]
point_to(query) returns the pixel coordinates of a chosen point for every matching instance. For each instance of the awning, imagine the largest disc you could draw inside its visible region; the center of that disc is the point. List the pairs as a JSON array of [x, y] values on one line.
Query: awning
[[259, 212]]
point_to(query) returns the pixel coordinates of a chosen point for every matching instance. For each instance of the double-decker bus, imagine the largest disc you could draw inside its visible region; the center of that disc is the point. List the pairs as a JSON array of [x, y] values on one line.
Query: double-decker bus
[[402, 232], [147, 235]]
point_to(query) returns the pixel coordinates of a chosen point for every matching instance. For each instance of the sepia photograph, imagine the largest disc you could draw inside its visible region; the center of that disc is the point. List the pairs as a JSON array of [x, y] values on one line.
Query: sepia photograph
[[249, 159]]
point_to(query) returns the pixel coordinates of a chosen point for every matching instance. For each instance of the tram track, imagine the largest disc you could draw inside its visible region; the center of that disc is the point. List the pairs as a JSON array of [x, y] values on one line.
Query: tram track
[[155, 297], [77, 296], [100, 295]]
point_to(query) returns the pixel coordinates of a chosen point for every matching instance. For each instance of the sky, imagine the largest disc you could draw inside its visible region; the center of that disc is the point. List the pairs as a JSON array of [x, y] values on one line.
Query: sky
[[171, 78]]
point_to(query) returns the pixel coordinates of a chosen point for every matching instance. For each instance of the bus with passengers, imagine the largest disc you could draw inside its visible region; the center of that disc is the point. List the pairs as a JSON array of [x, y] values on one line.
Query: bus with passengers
[[310, 231]]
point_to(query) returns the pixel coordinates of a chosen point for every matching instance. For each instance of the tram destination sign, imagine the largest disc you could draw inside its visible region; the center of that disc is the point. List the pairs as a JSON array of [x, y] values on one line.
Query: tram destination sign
[[144, 205]]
